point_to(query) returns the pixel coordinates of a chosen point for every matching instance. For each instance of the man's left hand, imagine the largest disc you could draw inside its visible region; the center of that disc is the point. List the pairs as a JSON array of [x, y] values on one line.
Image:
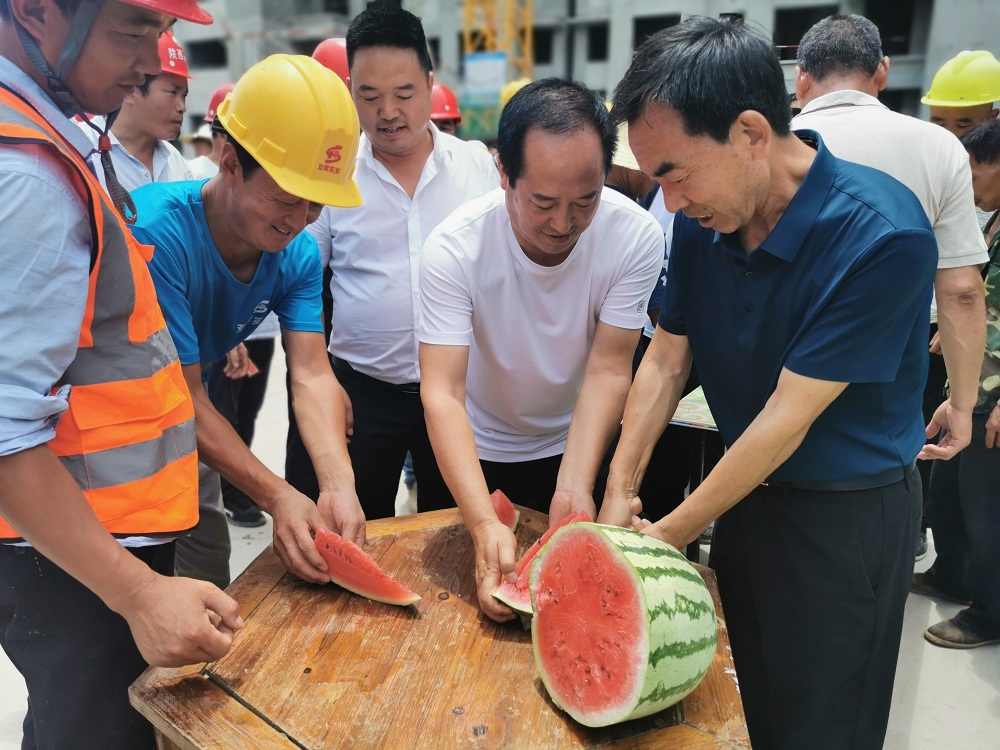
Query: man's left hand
[[958, 426], [565, 502], [342, 509], [664, 531], [238, 363]]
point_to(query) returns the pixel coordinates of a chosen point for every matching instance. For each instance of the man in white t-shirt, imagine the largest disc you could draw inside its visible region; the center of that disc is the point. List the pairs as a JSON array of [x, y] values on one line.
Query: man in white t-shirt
[[411, 177], [532, 299], [840, 70]]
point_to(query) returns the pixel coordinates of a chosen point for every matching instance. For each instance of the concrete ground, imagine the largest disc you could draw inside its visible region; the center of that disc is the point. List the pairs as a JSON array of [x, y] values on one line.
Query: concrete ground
[[943, 698]]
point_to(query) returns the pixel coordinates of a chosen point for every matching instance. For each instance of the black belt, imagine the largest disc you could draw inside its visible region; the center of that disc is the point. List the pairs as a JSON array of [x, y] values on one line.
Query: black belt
[[410, 389], [891, 476]]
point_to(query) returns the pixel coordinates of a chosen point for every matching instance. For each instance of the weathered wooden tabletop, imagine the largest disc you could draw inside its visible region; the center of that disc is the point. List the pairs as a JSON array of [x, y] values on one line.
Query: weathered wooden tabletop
[[317, 667]]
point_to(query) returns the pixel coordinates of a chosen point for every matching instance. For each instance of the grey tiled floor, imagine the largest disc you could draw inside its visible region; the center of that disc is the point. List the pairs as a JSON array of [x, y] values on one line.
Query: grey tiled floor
[[943, 699]]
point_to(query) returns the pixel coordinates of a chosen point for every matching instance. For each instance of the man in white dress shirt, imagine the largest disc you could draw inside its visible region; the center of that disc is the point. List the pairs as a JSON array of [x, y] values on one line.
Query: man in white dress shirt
[[533, 299], [411, 177]]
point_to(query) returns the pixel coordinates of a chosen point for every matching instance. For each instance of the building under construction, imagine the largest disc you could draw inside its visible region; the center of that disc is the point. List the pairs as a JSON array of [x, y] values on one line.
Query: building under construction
[[590, 40]]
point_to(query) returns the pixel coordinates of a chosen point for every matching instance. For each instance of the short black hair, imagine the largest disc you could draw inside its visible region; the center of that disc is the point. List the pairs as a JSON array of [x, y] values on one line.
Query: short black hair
[[840, 45], [248, 164], [983, 142], [553, 106], [708, 70], [68, 8], [387, 25]]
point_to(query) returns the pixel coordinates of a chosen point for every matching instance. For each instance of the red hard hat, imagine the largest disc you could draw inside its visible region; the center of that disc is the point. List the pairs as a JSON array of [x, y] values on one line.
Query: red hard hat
[[186, 10], [444, 105], [218, 96], [172, 57], [332, 54]]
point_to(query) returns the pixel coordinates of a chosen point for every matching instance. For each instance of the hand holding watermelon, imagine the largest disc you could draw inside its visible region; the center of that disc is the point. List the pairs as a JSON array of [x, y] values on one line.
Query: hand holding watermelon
[[565, 502], [342, 510], [496, 551]]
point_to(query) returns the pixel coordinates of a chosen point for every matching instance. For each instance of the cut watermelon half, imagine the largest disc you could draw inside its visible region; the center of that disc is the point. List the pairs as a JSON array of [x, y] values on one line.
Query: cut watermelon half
[[505, 510], [623, 627], [353, 569], [516, 595]]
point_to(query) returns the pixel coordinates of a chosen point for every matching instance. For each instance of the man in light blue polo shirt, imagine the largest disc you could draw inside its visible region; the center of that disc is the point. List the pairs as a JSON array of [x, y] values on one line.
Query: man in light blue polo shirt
[[800, 285]]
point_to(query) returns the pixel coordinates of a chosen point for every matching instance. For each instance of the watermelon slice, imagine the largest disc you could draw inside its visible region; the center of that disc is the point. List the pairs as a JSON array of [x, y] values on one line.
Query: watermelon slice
[[515, 595], [352, 568], [624, 626], [505, 510]]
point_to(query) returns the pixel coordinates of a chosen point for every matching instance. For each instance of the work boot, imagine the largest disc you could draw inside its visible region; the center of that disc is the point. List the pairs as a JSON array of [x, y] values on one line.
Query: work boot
[[951, 634]]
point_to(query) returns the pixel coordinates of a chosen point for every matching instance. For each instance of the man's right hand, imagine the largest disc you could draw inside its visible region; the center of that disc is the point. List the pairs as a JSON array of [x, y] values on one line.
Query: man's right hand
[[496, 549], [296, 521], [181, 621]]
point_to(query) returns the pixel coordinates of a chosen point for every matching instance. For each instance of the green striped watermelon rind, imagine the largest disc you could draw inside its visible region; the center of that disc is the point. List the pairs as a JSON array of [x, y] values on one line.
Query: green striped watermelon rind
[[673, 664]]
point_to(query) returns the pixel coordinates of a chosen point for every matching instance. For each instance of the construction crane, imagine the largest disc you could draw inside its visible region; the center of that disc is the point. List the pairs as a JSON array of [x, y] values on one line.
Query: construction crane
[[501, 26]]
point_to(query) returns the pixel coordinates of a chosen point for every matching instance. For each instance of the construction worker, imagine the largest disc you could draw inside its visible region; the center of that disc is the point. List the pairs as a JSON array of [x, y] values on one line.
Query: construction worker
[[96, 421], [964, 91], [151, 116], [444, 109], [229, 251], [206, 165], [332, 53]]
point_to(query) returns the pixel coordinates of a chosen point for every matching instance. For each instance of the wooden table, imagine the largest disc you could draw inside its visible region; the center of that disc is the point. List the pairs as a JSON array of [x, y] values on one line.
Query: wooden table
[[316, 667]]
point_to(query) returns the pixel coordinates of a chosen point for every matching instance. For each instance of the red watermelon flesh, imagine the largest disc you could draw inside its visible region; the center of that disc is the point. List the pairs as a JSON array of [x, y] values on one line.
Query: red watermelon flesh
[[353, 569], [516, 595], [505, 510]]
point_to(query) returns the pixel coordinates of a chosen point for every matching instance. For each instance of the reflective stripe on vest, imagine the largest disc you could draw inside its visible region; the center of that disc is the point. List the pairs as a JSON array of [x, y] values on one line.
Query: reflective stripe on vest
[[128, 436]]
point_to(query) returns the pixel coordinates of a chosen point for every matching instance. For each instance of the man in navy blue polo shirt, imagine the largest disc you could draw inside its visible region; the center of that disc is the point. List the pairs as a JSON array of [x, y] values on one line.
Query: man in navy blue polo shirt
[[800, 285]]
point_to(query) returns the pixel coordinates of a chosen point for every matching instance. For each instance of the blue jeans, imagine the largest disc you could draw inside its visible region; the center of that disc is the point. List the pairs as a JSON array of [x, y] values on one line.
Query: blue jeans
[[965, 516]]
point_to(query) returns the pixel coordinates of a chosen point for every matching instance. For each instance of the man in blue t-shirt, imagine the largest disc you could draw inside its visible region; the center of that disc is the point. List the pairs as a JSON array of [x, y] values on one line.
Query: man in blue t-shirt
[[228, 251], [800, 285]]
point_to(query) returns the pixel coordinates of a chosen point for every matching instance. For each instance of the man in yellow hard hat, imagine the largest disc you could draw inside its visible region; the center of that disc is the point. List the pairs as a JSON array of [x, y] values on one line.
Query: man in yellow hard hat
[[98, 467], [964, 91], [229, 251]]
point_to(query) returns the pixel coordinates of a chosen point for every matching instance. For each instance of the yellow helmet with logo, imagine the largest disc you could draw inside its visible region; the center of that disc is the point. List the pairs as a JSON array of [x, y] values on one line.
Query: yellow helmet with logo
[[968, 79], [296, 119]]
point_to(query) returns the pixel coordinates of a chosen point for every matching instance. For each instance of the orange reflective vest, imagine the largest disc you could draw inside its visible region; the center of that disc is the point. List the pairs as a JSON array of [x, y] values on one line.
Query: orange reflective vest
[[128, 435]]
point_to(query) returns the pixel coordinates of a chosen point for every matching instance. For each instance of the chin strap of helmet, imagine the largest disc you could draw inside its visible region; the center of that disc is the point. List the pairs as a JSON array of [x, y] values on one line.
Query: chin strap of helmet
[[67, 103]]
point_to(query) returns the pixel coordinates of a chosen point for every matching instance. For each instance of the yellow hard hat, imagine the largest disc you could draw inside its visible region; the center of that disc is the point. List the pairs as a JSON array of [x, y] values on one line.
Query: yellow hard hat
[[510, 88], [968, 79], [296, 119]]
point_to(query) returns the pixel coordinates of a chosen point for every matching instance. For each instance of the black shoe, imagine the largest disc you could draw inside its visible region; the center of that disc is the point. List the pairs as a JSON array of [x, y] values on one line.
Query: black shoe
[[242, 511], [920, 585], [950, 634], [921, 551]]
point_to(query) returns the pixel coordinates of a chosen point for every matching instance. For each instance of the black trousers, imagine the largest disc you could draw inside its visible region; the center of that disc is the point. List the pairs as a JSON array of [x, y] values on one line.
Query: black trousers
[[527, 483], [239, 400], [965, 513], [388, 422], [77, 657], [813, 585]]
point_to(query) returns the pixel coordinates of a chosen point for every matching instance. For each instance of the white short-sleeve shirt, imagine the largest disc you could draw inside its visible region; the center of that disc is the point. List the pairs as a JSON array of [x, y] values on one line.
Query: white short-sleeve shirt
[[529, 328], [374, 252], [926, 158]]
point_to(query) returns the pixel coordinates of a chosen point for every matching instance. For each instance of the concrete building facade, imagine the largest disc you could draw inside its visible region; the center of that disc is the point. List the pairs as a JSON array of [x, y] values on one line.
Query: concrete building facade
[[590, 40]]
